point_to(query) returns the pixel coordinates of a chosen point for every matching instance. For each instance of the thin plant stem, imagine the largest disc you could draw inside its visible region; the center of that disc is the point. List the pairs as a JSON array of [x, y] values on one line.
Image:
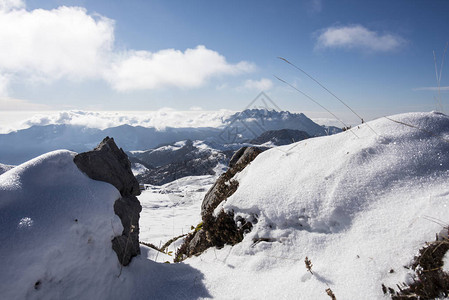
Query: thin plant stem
[[325, 88], [316, 102]]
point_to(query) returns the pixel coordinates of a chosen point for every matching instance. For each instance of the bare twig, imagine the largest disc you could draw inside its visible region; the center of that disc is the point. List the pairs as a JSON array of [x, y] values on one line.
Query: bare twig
[[316, 102], [327, 90], [331, 294], [309, 265]]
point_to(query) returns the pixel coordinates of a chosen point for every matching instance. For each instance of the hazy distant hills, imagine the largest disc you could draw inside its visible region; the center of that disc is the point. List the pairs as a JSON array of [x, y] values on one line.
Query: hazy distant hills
[[19, 146]]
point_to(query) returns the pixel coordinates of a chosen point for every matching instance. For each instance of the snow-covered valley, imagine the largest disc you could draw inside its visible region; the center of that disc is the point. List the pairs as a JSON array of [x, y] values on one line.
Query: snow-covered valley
[[358, 204], [171, 210]]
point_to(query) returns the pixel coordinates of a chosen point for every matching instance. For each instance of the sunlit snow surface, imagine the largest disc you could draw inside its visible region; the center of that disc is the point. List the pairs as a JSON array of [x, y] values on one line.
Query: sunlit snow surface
[[56, 227], [356, 204], [170, 210]]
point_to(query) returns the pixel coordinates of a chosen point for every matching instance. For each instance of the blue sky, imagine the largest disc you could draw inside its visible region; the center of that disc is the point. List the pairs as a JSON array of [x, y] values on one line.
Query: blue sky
[[146, 55]]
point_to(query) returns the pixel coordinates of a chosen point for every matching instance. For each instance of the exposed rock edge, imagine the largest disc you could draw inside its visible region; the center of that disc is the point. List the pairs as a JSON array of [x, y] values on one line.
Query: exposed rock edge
[[110, 164], [223, 228]]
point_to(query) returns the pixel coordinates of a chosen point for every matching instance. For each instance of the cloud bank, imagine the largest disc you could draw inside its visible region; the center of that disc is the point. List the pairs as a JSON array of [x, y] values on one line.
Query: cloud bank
[[68, 42], [158, 119], [138, 70], [358, 37]]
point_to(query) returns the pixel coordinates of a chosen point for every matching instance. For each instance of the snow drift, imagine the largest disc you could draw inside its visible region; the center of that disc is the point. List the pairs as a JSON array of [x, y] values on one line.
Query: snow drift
[[357, 207], [55, 240], [56, 227]]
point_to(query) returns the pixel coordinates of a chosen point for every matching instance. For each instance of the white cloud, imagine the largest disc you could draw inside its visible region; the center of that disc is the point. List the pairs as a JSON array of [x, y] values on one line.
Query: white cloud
[[7, 5], [67, 42], [18, 104], [138, 70], [261, 85], [159, 119], [432, 88], [50, 44], [4, 84], [357, 36]]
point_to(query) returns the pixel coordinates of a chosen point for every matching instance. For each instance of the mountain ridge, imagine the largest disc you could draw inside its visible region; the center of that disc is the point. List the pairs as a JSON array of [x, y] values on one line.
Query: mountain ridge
[[25, 144]]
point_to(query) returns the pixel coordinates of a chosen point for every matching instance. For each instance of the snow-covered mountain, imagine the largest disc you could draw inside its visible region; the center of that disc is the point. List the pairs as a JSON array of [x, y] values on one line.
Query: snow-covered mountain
[[173, 161], [357, 206], [22, 145], [257, 121], [4, 168], [194, 158]]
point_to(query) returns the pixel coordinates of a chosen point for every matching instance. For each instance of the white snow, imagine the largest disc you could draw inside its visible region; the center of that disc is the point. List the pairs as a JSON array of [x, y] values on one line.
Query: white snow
[[138, 169], [446, 263], [357, 207], [56, 227], [4, 168], [170, 210]]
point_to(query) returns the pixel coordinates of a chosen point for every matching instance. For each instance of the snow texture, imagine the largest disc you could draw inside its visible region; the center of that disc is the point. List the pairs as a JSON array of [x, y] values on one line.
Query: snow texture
[[55, 240], [356, 207], [138, 168], [170, 210], [4, 168], [357, 204]]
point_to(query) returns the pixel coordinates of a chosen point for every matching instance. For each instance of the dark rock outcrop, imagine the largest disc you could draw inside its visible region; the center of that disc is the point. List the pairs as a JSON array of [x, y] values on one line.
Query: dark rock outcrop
[[225, 186], [110, 164], [220, 229]]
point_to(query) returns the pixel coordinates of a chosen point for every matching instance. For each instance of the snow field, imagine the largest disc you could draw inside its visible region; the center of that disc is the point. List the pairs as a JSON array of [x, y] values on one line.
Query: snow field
[[357, 207]]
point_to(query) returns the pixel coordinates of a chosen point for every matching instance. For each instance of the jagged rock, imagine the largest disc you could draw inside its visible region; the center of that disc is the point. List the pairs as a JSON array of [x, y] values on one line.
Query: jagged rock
[[221, 229], [194, 243], [110, 164], [236, 156], [126, 246]]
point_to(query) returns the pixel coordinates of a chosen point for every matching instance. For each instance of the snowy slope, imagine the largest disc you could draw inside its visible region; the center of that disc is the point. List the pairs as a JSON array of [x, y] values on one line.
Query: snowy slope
[[4, 168], [56, 227], [356, 207], [170, 210]]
